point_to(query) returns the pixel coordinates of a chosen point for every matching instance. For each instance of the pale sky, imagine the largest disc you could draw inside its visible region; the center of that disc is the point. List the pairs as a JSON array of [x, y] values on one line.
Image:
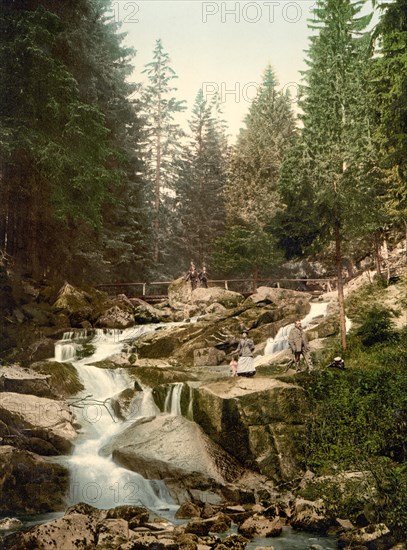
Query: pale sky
[[220, 46]]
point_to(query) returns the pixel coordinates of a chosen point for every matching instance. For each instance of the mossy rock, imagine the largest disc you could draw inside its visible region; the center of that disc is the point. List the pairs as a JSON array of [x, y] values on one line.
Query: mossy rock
[[156, 376], [64, 378]]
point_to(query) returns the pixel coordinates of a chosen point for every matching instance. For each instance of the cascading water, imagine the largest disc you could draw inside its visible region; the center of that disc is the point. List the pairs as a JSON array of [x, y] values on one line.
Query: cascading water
[[172, 403], [280, 341], [65, 349], [96, 479]]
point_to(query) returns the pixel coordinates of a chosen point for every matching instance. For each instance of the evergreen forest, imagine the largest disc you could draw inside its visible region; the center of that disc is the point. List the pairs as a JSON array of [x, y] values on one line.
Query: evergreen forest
[[100, 183]]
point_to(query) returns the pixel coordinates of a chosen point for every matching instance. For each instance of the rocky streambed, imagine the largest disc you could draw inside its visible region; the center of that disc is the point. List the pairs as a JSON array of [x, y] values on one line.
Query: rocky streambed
[[151, 443]]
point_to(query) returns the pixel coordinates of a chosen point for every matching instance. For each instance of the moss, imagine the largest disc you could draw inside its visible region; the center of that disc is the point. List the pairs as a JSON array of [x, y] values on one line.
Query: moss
[[64, 377]]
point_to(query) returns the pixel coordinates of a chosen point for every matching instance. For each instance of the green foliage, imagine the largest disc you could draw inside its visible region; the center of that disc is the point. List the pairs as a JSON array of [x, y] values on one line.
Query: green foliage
[[200, 203], [244, 250], [66, 124], [359, 420], [161, 149], [251, 192], [375, 326]]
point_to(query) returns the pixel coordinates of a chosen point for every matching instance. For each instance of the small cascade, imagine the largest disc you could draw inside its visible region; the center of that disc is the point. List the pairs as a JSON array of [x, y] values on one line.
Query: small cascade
[[280, 341], [96, 479], [172, 403], [144, 404], [190, 411], [65, 349]]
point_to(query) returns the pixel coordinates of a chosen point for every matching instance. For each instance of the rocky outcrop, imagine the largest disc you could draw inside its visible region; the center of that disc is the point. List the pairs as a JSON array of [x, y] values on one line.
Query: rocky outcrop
[[14, 378], [116, 317], [62, 377], [279, 297], [39, 418], [29, 483], [74, 303], [145, 313], [259, 421], [152, 447], [204, 297], [179, 293]]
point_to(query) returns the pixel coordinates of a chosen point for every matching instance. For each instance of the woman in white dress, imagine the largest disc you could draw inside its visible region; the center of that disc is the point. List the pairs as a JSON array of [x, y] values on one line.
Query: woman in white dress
[[245, 364]]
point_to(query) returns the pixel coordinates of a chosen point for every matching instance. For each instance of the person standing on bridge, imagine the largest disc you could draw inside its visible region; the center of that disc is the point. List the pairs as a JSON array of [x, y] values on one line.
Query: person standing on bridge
[[192, 276], [203, 278], [299, 346]]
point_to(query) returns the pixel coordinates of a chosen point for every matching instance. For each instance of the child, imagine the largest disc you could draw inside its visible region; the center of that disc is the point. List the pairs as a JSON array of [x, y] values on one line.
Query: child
[[233, 366]]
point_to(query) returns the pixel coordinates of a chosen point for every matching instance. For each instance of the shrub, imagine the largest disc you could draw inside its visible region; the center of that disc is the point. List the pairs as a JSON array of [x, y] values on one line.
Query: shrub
[[376, 326]]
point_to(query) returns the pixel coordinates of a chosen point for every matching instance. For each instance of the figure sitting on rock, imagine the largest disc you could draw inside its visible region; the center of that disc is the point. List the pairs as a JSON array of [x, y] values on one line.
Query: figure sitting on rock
[[192, 276], [337, 363], [299, 346], [245, 364]]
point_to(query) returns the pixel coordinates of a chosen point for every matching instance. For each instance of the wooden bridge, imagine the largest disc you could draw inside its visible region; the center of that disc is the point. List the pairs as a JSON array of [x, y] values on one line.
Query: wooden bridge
[[157, 291]]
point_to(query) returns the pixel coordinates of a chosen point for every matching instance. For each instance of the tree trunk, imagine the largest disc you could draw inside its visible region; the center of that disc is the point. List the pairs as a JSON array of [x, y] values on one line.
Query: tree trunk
[[255, 276], [377, 256], [341, 299]]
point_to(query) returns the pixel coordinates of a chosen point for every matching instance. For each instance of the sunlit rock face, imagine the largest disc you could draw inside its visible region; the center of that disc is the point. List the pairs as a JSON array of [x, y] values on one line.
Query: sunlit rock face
[[172, 447], [260, 421]]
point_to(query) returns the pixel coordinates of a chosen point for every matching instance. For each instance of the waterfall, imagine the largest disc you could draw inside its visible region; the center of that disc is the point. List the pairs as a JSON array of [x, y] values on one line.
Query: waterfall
[[172, 403], [65, 349], [96, 479], [280, 341]]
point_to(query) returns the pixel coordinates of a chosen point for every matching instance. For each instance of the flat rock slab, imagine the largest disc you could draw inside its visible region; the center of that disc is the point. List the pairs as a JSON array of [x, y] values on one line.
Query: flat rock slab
[[239, 386]]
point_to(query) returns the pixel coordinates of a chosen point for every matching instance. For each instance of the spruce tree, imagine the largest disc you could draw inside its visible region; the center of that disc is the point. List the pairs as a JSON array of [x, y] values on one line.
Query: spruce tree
[[388, 103], [64, 154], [256, 159], [161, 146], [200, 189], [339, 187]]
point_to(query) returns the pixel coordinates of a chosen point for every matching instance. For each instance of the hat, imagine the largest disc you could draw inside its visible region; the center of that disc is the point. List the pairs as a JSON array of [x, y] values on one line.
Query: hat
[[338, 358]]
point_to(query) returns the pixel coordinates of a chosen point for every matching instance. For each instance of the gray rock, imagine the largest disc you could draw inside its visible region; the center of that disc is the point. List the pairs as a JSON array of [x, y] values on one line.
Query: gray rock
[[30, 484], [259, 421], [152, 448]]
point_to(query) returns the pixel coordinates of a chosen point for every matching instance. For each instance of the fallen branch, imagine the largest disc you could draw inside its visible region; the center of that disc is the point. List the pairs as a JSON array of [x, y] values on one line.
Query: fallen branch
[[88, 400]]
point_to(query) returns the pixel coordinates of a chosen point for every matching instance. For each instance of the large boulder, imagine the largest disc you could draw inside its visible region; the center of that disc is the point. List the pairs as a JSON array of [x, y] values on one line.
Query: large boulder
[[145, 313], [75, 303], [40, 417], [29, 483], [116, 317], [62, 377], [179, 293], [259, 421], [216, 295], [151, 447], [14, 378], [278, 296]]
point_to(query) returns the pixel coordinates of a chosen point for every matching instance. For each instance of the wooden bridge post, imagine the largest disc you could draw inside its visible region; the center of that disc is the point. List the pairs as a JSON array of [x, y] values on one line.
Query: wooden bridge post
[[226, 285], [144, 289]]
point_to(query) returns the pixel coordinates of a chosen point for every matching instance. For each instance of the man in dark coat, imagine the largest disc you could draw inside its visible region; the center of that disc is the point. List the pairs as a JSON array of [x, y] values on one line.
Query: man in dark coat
[[192, 276], [299, 346], [203, 278]]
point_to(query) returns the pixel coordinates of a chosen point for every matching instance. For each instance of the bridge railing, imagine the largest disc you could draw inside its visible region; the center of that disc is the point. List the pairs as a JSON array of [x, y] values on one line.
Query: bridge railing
[[248, 285]]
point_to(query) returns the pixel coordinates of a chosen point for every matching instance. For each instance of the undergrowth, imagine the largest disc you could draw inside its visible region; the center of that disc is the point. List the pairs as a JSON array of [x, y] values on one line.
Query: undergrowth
[[359, 415]]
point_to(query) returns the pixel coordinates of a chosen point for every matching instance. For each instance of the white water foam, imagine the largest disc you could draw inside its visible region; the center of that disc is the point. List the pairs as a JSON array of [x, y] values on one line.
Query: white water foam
[[96, 479], [280, 341]]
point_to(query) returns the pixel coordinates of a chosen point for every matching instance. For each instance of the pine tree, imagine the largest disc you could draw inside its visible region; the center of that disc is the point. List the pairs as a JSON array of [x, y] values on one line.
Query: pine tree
[[161, 148], [200, 190]]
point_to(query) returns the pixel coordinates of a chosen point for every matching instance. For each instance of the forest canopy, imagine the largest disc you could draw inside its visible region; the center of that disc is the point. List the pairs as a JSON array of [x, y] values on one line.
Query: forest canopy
[[100, 183]]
